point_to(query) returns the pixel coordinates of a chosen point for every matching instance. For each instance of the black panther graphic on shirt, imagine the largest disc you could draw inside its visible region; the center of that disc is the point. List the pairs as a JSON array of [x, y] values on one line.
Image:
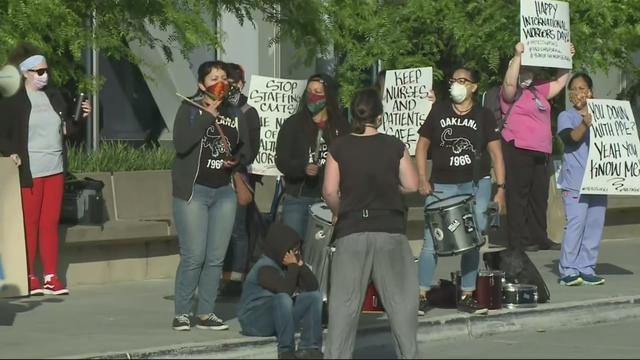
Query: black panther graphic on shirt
[[457, 145], [453, 144], [214, 150]]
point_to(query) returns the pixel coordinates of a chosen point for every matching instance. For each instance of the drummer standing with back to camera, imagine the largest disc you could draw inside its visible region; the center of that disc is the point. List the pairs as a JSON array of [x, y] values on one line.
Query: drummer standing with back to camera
[[366, 174], [461, 130]]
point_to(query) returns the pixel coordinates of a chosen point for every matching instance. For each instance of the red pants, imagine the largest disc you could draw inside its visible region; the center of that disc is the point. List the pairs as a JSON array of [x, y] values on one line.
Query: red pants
[[41, 206]]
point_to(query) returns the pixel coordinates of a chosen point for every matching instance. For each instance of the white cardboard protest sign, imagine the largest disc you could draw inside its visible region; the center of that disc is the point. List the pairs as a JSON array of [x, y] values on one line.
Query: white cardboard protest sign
[[613, 166], [545, 33], [405, 103], [275, 100]]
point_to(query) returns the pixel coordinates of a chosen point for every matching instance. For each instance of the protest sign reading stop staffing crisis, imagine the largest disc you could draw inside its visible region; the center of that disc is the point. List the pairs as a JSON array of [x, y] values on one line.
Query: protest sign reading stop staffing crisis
[[405, 103], [544, 31], [275, 100], [613, 166]]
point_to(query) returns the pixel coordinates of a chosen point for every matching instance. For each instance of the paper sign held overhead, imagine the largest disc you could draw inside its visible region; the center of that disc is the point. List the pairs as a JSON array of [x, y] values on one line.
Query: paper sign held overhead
[[545, 33]]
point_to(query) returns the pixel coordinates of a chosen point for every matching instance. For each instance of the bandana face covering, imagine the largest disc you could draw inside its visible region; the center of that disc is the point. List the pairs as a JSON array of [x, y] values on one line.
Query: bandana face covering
[[316, 103]]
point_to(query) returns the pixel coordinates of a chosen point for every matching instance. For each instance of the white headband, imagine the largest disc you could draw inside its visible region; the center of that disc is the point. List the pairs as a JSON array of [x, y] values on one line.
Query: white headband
[[31, 61]]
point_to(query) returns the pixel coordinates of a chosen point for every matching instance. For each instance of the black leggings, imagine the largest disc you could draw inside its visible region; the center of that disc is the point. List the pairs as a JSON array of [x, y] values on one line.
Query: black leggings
[[527, 192]]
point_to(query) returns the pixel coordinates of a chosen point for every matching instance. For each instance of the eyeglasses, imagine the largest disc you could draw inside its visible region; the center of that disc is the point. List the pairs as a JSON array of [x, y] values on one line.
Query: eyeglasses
[[461, 81], [539, 104], [40, 72]]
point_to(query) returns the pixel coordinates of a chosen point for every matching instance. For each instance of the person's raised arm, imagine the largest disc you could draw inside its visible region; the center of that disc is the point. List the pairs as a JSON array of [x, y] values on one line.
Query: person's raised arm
[[510, 81], [557, 85]]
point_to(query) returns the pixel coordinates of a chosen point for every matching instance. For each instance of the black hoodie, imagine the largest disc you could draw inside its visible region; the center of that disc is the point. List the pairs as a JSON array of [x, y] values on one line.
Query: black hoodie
[[280, 239]]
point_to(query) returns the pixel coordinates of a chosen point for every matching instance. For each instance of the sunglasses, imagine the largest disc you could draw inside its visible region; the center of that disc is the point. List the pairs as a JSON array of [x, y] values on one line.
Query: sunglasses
[[461, 81], [539, 104], [40, 72]]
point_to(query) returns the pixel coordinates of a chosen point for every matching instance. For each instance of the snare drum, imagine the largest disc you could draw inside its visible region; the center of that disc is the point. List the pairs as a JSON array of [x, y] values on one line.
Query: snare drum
[[372, 303], [452, 224], [519, 296], [489, 289], [316, 250]]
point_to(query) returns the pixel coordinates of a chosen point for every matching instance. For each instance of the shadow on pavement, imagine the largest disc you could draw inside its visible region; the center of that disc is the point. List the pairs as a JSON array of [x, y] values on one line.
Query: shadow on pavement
[[11, 307], [601, 269]]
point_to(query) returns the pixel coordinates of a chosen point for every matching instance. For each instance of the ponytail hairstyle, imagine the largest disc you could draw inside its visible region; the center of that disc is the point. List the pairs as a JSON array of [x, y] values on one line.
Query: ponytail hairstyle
[[366, 106]]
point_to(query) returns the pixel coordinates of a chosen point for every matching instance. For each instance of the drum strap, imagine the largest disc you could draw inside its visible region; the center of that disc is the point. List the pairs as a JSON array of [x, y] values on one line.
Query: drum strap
[[478, 143]]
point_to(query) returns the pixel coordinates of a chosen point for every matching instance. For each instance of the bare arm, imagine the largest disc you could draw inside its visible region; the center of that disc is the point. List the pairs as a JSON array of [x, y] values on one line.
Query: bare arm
[[408, 176], [331, 184], [495, 150], [422, 149], [556, 86], [510, 81]]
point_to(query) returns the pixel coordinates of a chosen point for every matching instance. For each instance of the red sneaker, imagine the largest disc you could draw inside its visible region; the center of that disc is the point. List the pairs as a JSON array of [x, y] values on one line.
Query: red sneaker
[[34, 286], [53, 286]]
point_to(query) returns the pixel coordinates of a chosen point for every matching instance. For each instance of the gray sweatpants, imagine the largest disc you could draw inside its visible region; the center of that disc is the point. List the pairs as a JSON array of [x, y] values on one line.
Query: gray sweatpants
[[387, 260]]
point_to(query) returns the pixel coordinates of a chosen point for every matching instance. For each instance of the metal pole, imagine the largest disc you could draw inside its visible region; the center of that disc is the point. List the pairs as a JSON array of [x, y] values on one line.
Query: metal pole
[[95, 125], [89, 72]]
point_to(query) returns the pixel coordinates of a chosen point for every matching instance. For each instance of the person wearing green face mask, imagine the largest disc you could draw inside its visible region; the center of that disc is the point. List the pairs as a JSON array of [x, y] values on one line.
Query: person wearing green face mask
[[301, 148]]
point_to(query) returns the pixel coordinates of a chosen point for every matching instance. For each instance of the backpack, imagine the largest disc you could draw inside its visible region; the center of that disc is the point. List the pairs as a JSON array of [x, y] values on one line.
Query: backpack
[[491, 100]]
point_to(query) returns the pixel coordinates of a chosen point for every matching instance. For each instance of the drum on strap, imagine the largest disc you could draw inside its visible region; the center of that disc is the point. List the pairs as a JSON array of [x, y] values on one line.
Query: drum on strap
[[519, 296], [453, 225], [489, 289], [317, 250]]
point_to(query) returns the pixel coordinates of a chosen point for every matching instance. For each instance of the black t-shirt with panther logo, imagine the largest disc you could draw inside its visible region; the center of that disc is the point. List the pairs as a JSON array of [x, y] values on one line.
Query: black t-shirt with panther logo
[[454, 142], [213, 152]]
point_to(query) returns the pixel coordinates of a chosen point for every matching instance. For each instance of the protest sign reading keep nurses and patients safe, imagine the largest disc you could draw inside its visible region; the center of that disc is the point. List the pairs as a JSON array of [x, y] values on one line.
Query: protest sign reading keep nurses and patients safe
[[405, 103], [613, 166], [275, 100], [545, 33]]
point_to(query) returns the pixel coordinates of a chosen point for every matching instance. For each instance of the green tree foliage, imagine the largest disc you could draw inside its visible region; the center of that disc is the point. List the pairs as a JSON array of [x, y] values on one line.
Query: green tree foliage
[[481, 33], [61, 28]]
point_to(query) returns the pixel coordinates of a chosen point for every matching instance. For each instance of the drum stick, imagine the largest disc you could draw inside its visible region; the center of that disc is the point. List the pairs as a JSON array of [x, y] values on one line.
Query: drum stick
[[192, 102]]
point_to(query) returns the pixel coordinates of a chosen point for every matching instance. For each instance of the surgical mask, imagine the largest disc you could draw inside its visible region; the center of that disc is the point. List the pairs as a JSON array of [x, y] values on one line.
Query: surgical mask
[[40, 81], [524, 82], [458, 92], [316, 103]]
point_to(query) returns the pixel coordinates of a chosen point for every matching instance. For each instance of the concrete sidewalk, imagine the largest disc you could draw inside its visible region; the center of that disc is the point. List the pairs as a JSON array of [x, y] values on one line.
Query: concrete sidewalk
[[133, 319]]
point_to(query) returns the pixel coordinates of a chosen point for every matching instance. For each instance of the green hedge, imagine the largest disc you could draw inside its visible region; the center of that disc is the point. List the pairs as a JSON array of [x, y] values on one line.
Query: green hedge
[[119, 156]]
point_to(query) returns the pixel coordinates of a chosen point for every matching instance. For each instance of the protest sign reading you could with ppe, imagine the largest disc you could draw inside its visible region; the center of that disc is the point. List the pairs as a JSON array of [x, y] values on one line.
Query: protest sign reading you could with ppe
[[613, 166]]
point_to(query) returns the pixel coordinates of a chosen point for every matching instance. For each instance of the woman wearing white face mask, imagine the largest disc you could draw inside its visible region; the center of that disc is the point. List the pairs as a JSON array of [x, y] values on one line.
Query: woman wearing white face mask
[[527, 148], [33, 137], [464, 137]]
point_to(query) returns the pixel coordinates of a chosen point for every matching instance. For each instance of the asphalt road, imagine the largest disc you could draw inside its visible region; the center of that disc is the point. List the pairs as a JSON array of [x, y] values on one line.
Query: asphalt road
[[611, 340]]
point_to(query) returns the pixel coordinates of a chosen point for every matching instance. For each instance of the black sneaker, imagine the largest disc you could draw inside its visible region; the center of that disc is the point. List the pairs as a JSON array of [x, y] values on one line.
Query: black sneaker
[[212, 322], [469, 305], [286, 355], [423, 307], [313, 353], [182, 323]]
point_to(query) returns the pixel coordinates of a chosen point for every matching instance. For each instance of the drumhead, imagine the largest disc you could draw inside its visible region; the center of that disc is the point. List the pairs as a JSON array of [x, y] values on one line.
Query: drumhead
[[491, 273], [448, 202], [321, 211], [519, 287]]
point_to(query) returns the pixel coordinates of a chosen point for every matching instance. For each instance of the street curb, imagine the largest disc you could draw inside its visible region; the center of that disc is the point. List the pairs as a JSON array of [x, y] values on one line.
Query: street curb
[[541, 318]]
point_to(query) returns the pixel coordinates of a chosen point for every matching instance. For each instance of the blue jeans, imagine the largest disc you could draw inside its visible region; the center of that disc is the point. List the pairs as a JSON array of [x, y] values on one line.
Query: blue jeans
[[470, 260], [204, 228], [280, 315], [295, 212]]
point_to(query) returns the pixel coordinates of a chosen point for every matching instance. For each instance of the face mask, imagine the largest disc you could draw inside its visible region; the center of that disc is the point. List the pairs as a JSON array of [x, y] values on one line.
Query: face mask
[[40, 81], [233, 96], [316, 103], [458, 92], [525, 83]]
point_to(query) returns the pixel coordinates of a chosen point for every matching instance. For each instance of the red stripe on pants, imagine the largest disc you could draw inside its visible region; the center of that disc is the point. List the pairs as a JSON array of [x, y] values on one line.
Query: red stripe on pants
[[41, 206]]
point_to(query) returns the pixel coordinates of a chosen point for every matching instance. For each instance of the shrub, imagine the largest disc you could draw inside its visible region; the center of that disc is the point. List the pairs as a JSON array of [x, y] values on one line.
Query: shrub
[[114, 156]]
